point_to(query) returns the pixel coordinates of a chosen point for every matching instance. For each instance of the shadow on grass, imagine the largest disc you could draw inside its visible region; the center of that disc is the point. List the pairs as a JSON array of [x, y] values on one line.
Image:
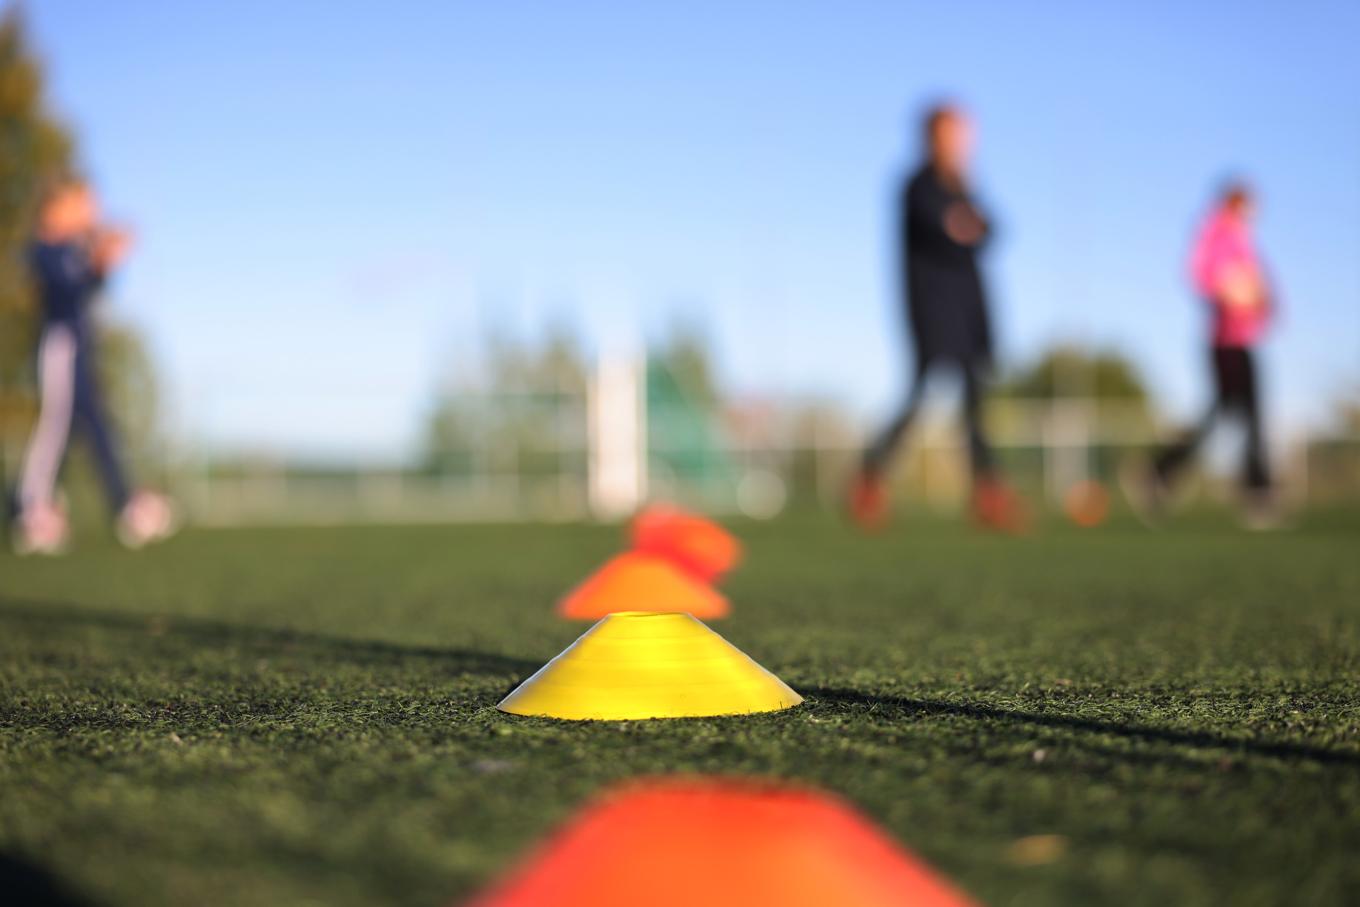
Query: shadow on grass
[[908, 708], [24, 882], [262, 639]]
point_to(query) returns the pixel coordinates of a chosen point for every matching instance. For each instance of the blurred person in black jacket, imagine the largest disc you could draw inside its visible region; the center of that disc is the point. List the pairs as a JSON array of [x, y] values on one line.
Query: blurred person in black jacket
[[941, 229]]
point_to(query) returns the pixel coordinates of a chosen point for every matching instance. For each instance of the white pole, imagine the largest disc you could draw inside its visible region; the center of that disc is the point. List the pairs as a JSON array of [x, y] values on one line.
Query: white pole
[[617, 413]]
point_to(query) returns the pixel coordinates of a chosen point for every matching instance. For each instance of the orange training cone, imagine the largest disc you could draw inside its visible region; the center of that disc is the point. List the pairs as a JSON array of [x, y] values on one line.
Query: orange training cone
[[699, 545], [635, 581], [1087, 504], [721, 843]]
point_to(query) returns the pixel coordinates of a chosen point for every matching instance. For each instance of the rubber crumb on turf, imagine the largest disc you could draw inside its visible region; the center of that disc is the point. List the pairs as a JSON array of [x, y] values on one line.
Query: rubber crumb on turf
[[1036, 850]]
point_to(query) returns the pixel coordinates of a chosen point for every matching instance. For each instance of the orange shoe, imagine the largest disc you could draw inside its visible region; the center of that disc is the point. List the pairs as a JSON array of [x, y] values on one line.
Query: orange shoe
[[868, 502], [997, 507]]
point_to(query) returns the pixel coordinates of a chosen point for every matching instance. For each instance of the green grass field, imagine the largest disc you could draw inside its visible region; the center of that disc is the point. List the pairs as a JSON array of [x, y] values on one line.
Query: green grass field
[[307, 716]]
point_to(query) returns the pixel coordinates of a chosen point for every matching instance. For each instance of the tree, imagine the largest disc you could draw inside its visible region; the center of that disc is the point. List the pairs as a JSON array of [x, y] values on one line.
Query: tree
[[1069, 371], [684, 354], [131, 391], [34, 147], [1348, 412], [514, 413]]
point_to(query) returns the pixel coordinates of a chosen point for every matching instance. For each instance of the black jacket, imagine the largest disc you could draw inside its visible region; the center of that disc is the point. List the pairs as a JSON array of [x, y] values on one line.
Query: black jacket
[[945, 301]]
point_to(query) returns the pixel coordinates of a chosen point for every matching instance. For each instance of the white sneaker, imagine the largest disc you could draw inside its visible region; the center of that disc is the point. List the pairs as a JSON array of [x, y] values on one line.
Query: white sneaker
[[147, 517], [41, 529]]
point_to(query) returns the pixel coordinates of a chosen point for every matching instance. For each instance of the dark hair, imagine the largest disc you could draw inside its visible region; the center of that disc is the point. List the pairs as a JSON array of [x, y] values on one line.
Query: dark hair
[[1235, 192]]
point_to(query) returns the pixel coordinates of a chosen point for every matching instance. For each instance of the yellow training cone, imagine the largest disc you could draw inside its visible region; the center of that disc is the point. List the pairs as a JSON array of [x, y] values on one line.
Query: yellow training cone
[[645, 664]]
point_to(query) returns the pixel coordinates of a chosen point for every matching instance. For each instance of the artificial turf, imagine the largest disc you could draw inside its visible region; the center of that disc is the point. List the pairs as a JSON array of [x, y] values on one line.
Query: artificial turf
[[299, 716]]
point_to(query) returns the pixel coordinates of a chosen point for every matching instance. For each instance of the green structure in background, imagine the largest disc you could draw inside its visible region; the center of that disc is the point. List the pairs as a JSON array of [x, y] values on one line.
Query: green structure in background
[[687, 459]]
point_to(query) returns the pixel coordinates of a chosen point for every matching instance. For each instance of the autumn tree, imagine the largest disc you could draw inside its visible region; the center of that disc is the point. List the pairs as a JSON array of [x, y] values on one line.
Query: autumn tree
[[35, 147]]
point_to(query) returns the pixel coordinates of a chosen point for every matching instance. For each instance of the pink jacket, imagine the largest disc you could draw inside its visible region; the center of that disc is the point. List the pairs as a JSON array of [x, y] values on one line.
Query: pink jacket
[[1228, 273]]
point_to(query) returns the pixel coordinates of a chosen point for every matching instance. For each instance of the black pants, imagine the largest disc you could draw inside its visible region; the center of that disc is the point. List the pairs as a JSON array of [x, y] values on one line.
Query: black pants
[[1235, 394], [879, 454]]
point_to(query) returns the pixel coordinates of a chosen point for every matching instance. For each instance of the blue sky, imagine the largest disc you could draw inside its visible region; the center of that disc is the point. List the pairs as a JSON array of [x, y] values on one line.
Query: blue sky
[[335, 200]]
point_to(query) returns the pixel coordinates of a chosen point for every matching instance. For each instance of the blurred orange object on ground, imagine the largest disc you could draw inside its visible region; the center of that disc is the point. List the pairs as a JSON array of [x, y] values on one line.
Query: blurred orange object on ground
[[868, 502], [687, 842], [699, 545], [998, 508], [637, 581], [1087, 504]]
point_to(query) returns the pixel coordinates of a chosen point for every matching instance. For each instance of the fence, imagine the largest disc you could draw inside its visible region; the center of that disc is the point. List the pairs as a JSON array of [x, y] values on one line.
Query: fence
[[794, 452], [632, 433]]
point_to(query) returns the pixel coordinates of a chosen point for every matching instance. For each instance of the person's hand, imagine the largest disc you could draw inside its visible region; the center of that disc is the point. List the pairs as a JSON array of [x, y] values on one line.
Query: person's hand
[[110, 246], [1240, 288], [963, 225]]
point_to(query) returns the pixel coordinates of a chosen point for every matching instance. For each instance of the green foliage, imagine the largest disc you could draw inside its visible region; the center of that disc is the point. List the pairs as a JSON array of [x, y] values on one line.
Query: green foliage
[[307, 716], [1333, 458], [128, 377], [689, 460], [684, 354], [34, 147], [527, 405], [1348, 412], [524, 410], [556, 361], [1068, 371]]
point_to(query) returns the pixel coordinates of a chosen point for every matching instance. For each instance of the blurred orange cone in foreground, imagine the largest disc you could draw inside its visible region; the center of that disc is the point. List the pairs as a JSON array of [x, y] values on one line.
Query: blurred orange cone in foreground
[[635, 581], [721, 843], [698, 545]]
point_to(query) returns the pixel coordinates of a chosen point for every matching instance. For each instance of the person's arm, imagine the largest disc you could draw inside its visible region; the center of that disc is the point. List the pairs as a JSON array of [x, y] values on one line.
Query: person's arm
[[108, 247], [964, 224], [938, 216], [1222, 274]]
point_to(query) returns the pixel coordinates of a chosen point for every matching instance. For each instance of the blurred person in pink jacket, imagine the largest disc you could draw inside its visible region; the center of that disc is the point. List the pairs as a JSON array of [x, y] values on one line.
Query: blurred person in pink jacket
[[1227, 272]]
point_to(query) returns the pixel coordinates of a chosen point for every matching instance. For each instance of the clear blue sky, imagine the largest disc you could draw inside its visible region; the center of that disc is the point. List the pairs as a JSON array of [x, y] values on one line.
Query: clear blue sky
[[335, 199]]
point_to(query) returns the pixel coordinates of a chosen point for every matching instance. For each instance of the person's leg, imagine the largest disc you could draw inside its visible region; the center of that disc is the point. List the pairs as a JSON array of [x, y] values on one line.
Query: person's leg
[[1256, 472], [879, 454], [1172, 460], [980, 457], [1168, 465], [93, 419], [995, 505], [868, 497], [47, 447]]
